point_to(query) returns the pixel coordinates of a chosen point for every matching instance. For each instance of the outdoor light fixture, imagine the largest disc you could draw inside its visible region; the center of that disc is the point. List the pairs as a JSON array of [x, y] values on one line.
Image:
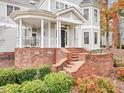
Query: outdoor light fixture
[[32, 2]]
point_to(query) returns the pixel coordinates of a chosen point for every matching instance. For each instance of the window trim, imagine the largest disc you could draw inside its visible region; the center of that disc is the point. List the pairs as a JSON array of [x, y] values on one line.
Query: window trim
[[59, 4], [95, 38], [87, 38], [95, 15], [87, 15]]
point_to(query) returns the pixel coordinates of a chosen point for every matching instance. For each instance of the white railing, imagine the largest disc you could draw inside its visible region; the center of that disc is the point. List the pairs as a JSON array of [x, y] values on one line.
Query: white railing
[[31, 42]]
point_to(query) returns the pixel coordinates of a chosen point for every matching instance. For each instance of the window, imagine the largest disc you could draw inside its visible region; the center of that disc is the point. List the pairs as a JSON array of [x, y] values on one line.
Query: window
[[57, 5], [95, 15], [86, 37], [61, 6], [86, 13], [66, 6], [95, 37], [10, 9], [16, 8]]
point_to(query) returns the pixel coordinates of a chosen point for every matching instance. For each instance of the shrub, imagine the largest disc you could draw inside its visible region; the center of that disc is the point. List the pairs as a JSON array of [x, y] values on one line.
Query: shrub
[[59, 82], [25, 75], [11, 88], [44, 70], [11, 76], [36, 86], [7, 76], [118, 62], [120, 73], [96, 85]]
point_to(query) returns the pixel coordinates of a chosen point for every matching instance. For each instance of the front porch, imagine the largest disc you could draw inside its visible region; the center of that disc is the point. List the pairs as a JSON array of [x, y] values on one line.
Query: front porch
[[49, 35], [43, 29]]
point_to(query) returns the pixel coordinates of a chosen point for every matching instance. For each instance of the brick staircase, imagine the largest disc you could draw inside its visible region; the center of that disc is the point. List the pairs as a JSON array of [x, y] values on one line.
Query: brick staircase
[[73, 64]]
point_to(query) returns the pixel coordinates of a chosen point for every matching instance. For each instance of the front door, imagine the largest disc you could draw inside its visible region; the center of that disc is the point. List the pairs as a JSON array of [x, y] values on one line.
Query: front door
[[34, 39], [63, 38]]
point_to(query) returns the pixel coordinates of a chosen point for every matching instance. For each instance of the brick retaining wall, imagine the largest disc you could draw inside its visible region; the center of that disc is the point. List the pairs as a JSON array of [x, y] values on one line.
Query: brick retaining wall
[[33, 57], [96, 64], [7, 59]]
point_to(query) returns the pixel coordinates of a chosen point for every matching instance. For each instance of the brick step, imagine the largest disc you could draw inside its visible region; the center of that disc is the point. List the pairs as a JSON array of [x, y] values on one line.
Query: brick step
[[73, 68], [75, 59]]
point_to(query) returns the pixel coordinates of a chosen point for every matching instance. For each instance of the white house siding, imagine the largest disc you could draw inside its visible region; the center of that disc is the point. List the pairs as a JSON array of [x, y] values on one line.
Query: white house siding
[[8, 40], [8, 28]]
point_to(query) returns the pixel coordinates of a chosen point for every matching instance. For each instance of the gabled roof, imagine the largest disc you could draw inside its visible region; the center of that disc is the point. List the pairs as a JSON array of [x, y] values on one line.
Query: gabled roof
[[25, 3], [73, 9]]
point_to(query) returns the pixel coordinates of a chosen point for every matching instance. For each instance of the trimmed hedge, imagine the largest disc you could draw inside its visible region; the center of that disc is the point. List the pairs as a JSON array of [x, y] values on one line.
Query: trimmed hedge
[[96, 85], [36, 86], [44, 70], [11, 88], [53, 83], [25, 75], [59, 82], [11, 76], [7, 76]]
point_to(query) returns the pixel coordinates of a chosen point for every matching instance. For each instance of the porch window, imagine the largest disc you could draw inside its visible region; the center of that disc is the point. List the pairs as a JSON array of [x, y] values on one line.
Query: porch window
[[86, 37], [95, 37], [95, 15], [11, 9], [86, 13]]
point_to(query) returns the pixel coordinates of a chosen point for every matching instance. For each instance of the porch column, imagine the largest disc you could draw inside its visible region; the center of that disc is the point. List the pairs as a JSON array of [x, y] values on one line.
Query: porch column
[[42, 33], [58, 34], [17, 37], [20, 33], [49, 34]]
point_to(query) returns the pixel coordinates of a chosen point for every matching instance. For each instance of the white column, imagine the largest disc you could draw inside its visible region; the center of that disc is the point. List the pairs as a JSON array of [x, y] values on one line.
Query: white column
[[58, 34], [42, 33], [20, 33], [17, 37], [49, 34]]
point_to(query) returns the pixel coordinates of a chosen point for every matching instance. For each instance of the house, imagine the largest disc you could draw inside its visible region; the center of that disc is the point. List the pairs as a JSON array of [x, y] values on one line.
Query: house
[[48, 31], [49, 24]]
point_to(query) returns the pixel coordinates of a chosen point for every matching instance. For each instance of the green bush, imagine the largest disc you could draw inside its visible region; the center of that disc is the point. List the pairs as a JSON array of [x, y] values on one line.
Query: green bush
[[44, 70], [59, 82], [96, 85], [10, 76], [25, 75], [11, 88], [7, 76], [36, 86]]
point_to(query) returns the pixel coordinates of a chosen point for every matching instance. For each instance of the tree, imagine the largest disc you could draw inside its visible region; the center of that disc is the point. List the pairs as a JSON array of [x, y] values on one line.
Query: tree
[[105, 18]]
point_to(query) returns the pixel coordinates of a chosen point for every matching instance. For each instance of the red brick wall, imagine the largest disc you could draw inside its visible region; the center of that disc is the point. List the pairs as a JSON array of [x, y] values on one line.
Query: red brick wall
[[33, 57], [100, 65], [7, 59], [102, 57]]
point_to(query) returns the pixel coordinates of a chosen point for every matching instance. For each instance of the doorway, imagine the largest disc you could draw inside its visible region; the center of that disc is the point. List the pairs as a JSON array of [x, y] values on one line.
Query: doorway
[[63, 38]]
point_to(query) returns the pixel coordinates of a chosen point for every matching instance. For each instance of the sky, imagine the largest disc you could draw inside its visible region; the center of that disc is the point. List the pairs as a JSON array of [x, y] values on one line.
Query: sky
[[111, 2]]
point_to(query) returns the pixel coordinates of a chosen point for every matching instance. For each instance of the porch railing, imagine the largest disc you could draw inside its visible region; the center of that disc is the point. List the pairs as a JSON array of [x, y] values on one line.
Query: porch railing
[[31, 42]]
